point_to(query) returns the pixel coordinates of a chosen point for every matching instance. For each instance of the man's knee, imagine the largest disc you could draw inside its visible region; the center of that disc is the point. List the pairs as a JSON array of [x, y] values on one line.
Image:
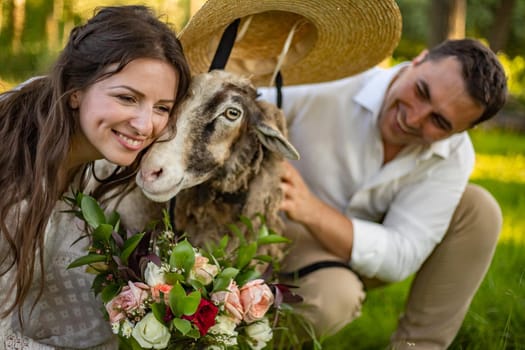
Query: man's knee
[[478, 214], [332, 298]]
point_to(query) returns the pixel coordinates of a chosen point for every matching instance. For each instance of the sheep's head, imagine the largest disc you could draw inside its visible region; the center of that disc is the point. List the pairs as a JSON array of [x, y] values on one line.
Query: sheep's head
[[217, 114]]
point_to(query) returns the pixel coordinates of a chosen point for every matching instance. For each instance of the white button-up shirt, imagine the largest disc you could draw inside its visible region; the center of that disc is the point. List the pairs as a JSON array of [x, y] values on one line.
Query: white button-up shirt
[[399, 211]]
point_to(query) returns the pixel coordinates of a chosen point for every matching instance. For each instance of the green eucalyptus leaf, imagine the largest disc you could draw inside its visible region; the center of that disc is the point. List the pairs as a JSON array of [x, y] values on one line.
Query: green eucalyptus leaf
[[78, 198], [113, 219], [264, 258], [175, 297], [222, 280], [99, 283], [238, 233], [125, 343], [247, 275], [245, 254], [223, 243], [93, 214], [87, 259], [129, 247], [196, 285], [173, 277], [191, 303], [182, 304], [263, 231], [102, 233], [183, 326], [194, 333], [272, 239], [159, 310], [183, 257], [109, 292], [219, 250], [128, 343], [247, 222], [166, 220], [229, 272]]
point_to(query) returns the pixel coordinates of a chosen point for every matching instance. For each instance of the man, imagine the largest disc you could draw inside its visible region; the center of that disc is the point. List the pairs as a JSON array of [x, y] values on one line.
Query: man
[[381, 188]]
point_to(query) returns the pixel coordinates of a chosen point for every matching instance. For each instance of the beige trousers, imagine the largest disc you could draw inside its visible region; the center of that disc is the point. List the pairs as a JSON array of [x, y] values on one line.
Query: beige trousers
[[441, 291]]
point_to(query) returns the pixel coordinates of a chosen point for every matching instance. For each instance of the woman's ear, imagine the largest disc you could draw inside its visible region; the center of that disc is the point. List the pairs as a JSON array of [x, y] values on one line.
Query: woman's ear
[[74, 100]]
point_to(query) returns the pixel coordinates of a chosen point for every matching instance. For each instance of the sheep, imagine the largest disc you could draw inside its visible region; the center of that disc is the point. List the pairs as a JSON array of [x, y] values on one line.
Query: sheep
[[224, 161]]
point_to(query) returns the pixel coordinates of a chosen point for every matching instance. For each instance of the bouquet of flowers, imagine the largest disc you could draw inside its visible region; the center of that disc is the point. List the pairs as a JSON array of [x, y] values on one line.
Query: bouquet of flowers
[[161, 292]]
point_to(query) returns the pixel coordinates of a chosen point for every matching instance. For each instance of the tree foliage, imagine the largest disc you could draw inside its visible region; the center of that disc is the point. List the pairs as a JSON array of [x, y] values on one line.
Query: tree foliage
[[46, 26]]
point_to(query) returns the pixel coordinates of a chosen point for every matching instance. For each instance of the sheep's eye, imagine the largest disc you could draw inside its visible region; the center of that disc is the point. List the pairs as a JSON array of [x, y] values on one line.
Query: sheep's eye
[[232, 113]]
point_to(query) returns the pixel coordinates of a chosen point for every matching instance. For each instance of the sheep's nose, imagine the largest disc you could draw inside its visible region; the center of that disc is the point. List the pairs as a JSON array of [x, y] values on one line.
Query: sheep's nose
[[151, 175]]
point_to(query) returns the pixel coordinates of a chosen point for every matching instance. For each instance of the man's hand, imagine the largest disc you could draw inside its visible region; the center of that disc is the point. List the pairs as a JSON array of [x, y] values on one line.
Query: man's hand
[[331, 228], [298, 202]]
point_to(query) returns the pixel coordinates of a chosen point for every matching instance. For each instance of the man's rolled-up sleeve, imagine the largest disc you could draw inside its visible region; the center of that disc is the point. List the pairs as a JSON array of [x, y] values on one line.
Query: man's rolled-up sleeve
[[415, 222]]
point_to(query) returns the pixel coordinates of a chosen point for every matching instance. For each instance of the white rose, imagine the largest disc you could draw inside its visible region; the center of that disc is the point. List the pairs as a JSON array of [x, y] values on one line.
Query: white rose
[[150, 333], [259, 333], [224, 330], [154, 275]]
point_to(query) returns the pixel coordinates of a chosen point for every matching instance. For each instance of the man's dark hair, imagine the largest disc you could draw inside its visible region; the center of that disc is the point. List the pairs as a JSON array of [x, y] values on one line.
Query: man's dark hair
[[484, 75]]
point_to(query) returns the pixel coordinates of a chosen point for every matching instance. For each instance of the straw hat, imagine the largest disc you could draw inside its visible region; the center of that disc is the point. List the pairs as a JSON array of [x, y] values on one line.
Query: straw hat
[[327, 39]]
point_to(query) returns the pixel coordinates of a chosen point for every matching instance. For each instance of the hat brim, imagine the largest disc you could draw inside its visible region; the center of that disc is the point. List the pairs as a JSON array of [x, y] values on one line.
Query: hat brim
[[333, 39]]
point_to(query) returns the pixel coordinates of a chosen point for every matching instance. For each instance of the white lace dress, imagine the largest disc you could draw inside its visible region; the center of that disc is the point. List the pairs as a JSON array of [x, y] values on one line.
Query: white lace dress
[[67, 315]]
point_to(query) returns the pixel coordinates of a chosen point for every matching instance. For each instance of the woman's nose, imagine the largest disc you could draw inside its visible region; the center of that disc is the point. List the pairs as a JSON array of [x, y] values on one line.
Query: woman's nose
[[143, 122]]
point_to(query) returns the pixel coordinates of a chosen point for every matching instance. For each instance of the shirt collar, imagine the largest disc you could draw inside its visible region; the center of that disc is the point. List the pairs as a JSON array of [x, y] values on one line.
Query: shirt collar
[[440, 148], [373, 92]]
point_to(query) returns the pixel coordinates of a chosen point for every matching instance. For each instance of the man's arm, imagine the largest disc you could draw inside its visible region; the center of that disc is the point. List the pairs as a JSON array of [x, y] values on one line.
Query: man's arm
[[331, 228], [415, 221]]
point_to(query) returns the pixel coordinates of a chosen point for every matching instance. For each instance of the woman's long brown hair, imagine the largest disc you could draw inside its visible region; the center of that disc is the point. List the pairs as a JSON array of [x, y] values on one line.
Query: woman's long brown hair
[[37, 125]]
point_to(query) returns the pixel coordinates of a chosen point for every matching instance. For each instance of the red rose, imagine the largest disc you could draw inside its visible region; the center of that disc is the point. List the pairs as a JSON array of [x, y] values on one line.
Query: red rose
[[204, 317]]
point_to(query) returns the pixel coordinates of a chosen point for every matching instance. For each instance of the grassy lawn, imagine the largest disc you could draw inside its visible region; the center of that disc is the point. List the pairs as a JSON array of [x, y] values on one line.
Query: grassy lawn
[[496, 319]]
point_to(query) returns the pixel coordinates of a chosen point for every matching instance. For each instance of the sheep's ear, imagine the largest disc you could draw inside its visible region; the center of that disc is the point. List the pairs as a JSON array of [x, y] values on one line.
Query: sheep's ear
[[275, 141]]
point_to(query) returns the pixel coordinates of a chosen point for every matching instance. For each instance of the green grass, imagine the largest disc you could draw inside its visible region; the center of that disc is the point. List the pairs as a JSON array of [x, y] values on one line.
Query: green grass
[[496, 318]]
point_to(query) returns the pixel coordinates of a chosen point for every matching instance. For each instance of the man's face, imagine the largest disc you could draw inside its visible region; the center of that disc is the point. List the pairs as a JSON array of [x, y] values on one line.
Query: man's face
[[427, 102]]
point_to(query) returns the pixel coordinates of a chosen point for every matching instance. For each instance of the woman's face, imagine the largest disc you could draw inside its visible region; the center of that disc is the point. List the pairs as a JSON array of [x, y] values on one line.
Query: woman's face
[[123, 114]]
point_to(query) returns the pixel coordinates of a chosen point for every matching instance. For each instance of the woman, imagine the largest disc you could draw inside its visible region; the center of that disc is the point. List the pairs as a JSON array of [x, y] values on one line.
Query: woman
[[112, 91]]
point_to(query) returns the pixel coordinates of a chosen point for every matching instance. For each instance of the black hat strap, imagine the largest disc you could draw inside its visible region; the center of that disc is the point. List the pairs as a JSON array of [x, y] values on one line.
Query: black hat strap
[[224, 50]]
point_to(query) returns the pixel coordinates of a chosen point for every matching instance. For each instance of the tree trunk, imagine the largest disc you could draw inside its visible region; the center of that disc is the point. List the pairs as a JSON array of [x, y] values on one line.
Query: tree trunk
[[501, 26], [457, 19], [438, 15], [19, 17], [6, 30], [447, 20]]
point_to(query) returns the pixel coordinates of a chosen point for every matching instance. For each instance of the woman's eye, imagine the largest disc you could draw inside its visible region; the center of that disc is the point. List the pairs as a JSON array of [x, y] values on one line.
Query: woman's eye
[[232, 113], [126, 98], [163, 109]]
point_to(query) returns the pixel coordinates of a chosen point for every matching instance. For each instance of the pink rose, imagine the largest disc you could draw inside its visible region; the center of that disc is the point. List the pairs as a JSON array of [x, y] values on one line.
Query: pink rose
[[157, 289], [130, 299], [256, 299], [231, 299]]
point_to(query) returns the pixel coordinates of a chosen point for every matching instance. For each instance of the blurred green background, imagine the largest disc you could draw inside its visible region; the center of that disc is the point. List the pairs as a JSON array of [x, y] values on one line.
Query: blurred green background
[[33, 31]]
